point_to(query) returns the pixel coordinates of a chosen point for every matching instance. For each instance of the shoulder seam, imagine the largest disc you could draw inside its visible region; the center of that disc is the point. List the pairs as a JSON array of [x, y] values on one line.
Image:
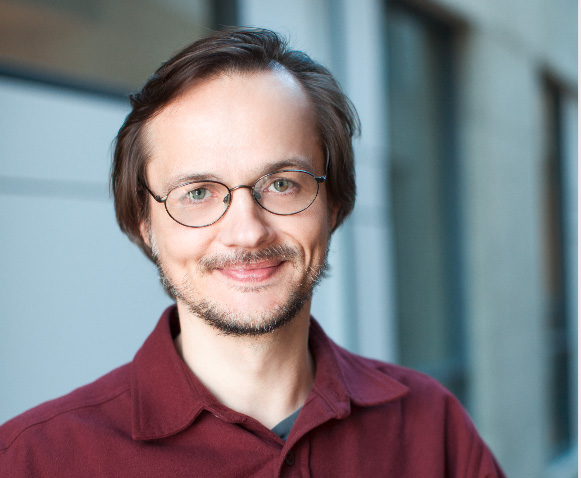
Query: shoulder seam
[[64, 412]]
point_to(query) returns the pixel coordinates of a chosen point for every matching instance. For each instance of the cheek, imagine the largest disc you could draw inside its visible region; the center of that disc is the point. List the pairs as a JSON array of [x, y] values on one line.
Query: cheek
[[314, 232], [177, 244]]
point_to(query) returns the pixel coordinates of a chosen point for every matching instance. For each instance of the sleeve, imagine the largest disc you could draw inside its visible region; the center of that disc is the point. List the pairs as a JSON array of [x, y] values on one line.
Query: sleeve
[[468, 456]]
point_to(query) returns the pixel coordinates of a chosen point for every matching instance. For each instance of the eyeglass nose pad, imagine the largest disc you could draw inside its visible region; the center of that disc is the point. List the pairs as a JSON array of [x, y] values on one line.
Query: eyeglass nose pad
[[256, 195], [227, 199]]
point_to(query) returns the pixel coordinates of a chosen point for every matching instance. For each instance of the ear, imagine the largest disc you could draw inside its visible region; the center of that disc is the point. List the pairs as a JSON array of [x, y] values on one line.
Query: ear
[[144, 229], [334, 211]]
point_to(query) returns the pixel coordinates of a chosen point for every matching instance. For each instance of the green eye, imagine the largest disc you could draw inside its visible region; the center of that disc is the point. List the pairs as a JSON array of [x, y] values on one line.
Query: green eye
[[281, 185], [197, 194]]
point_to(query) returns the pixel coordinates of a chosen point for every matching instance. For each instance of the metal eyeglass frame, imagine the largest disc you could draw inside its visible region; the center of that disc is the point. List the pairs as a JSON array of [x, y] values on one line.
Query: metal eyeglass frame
[[228, 198]]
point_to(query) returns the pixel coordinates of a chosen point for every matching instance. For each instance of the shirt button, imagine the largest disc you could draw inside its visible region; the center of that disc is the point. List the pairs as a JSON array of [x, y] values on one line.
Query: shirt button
[[290, 458]]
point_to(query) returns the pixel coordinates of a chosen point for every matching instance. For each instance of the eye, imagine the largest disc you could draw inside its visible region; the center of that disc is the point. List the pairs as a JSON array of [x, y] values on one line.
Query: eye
[[281, 185], [197, 194]]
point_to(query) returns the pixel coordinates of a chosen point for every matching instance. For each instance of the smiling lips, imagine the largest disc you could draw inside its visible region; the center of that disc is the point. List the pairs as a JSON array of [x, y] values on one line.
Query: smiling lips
[[252, 272]]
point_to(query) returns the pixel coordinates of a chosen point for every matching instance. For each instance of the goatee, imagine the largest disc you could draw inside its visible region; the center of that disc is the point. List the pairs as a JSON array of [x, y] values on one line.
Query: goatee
[[226, 320]]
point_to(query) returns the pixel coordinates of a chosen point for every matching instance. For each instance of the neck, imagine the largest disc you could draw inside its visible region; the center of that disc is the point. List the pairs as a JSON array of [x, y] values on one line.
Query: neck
[[266, 377]]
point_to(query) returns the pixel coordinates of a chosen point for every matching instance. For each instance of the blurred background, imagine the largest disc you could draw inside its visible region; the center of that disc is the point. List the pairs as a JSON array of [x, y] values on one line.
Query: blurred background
[[460, 259]]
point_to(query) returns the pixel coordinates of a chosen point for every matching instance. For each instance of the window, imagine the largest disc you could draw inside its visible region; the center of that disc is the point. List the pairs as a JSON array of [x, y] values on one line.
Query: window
[[113, 44], [424, 203]]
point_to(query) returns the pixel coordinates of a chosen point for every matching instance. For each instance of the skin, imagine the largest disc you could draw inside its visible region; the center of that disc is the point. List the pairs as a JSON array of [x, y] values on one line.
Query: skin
[[234, 129]]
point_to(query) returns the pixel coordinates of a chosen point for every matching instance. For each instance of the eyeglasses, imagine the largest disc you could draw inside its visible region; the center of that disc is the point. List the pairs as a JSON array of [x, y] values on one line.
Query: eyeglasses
[[202, 203]]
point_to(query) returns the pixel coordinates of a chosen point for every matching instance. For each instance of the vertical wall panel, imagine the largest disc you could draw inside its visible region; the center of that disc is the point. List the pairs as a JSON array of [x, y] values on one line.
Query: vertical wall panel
[[76, 297]]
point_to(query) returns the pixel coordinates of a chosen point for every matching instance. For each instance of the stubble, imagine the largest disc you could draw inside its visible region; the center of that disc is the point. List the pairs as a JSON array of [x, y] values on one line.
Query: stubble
[[223, 317]]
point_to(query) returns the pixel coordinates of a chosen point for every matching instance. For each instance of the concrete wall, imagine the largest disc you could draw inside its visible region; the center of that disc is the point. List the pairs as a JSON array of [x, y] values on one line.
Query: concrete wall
[[502, 169], [507, 49]]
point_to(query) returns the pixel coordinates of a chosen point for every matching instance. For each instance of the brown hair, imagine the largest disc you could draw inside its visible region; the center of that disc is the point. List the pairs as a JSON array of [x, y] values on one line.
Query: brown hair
[[229, 51]]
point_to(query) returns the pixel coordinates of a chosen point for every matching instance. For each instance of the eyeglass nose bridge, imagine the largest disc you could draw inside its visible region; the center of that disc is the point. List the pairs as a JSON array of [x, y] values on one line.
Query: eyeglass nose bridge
[[255, 195]]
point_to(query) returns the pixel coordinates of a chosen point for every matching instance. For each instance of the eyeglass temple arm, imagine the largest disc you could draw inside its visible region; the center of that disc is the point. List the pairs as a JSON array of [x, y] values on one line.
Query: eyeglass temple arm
[[322, 179], [154, 196]]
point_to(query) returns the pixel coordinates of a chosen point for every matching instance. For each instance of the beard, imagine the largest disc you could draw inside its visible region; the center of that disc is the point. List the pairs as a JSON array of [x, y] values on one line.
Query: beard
[[230, 322]]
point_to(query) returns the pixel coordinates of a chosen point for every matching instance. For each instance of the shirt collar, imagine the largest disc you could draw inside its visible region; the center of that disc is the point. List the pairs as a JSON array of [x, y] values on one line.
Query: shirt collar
[[164, 399], [343, 378], [167, 397]]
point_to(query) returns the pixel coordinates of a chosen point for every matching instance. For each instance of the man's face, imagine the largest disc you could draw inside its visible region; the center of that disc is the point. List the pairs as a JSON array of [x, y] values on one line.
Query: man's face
[[252, 271]]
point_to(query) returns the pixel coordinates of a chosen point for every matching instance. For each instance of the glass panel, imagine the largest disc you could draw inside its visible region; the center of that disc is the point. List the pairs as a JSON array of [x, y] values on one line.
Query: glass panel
[[112, 43], [427, 255]]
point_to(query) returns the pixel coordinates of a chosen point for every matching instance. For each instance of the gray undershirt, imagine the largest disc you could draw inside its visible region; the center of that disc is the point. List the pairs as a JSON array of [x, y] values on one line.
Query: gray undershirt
[[283, 428]]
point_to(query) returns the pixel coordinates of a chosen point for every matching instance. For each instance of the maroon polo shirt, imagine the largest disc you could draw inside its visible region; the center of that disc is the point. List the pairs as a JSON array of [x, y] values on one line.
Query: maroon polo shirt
[[153, 418]]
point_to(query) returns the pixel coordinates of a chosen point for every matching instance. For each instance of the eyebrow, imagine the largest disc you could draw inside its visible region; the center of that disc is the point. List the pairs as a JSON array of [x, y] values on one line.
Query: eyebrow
[[296, 162], [188, 178]]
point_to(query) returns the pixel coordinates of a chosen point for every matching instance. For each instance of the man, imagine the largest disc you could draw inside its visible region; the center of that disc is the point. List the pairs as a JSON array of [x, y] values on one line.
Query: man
[[231, 172]]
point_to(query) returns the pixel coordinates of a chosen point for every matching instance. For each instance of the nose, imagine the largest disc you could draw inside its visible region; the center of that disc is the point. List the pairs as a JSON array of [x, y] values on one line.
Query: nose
[[245, 224]]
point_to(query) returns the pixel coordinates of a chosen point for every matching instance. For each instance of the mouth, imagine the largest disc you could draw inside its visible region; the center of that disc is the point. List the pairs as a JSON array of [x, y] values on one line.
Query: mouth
[[254, 272], [250, 268]]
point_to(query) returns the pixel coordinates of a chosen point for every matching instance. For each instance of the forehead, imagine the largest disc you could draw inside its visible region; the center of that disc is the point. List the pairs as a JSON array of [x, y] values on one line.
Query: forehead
[[234, 123]]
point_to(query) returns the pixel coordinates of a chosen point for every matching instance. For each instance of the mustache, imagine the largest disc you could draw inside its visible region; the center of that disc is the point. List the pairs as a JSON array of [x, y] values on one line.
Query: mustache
[[241, 257]]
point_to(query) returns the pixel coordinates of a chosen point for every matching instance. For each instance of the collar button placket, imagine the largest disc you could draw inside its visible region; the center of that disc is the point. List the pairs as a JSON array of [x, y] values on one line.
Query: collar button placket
[[290, 458]]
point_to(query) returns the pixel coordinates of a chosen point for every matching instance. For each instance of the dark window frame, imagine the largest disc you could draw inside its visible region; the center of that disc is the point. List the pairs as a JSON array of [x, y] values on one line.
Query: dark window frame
[[453, 370]]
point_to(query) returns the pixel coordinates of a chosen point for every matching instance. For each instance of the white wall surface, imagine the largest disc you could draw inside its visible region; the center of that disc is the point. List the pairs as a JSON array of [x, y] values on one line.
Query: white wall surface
[[76, 297]]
